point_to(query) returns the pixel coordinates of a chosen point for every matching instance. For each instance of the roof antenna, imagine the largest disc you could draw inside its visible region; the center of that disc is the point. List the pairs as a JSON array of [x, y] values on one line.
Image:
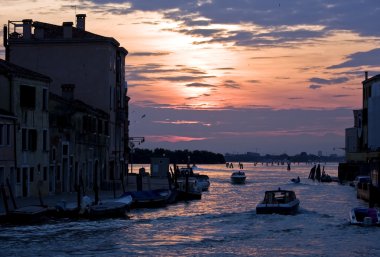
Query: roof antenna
[[75, 9]]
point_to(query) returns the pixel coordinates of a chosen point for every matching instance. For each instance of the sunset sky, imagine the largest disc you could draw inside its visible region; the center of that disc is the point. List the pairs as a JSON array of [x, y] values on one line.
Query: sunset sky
[[234, 76]]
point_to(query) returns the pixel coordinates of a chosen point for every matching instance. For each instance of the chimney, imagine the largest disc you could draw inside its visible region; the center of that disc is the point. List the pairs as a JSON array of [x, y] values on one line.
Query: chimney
[[27, 28], [67, 29], [366, 75], [81, 21], [68, 91]]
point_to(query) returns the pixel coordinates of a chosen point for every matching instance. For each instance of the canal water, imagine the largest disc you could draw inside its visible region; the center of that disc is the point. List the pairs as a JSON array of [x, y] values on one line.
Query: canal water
[[223, 223]]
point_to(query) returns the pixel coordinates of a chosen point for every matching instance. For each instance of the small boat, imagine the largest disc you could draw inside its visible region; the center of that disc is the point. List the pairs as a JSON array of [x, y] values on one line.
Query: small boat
[[238, 177], [188, 189], [21, 215], [149, 198], [364, 216], [278, 201], [203, 181], [110, 208], [27, 215], [296, 180], [326, 178]]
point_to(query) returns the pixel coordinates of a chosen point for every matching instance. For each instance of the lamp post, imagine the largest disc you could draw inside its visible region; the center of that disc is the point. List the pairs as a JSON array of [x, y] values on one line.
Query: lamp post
[[132, 141]]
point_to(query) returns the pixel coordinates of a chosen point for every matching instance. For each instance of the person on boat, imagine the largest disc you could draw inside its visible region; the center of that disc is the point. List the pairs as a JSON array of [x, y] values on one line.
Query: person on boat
[[312, 173], [298, 179], [318, 173]]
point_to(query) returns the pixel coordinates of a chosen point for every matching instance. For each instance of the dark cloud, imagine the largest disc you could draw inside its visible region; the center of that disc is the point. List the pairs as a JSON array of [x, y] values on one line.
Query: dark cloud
[[370, 58], [148, 53], [201, 32], [183, 78], [196, 84], [231, 84], [333, 81], [340, 96], [350, 15], [182, 73], [254, 81], [315, 86], [225, 68]]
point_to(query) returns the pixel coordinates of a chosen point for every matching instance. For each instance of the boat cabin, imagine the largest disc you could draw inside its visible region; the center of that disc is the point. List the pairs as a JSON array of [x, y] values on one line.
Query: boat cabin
[[279, 197]]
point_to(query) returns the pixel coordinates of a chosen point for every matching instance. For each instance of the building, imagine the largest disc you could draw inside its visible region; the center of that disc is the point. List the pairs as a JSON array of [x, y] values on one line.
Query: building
[[95, 64], [363, 140], [24, 129], [79, 139]]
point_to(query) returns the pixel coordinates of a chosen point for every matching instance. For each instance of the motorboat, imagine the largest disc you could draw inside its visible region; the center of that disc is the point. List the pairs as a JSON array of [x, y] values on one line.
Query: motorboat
[[296, 180], [238, 177], [364, 216], [110, 208], [188, 189], [149, 198], [278, 201], [202, 180]]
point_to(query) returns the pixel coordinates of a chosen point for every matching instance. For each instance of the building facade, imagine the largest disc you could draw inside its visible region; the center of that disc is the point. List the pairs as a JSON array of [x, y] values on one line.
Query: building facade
[[94, 64], [24, 129], [363, 139], [79, 139]]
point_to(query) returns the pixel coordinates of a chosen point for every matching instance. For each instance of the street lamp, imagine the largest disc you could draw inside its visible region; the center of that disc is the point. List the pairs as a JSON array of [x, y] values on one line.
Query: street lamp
[[132, 141]]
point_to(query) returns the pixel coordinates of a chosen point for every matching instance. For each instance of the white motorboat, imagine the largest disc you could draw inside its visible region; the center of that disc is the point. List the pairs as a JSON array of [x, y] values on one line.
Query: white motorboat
[[364, 216]]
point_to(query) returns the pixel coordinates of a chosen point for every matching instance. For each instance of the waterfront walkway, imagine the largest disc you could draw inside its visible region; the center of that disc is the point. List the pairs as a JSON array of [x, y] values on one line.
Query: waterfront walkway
[[51, 200]]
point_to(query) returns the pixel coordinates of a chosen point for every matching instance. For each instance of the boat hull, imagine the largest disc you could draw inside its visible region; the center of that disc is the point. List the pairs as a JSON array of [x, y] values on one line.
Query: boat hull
[[27, 215], [286, 209], [364, 216], [107, 210], [149, 198], [238, 180]]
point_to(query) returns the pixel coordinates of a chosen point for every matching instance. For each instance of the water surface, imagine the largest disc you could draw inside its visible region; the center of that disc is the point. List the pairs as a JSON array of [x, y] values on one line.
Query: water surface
[[223, 223]]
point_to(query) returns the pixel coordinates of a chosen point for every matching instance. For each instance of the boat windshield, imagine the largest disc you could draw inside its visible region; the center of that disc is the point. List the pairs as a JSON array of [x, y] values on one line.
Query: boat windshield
[[276, 197]]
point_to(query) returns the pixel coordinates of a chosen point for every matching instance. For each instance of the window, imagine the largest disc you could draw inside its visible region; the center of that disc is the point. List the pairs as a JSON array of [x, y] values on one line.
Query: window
[[1, 134], [2, 175], [45, 173], [44, 99], [28, 97], [93, 125], [65, 150], [44, 140], [32, 140], [31, 176], [24, 138], [58, 173], [100, 126], [18, 176], [106, 129], [8, 134]]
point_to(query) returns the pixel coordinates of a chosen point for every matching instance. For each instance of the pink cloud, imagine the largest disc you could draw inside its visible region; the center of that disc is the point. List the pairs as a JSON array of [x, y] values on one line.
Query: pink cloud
[[173, 138]]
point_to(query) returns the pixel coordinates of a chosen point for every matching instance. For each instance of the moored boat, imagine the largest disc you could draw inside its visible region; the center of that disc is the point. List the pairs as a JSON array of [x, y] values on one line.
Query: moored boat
[[202, 180], [364, 216], [110, 208], [238, 177], [149, 198], [188, 189], [278, 201]]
